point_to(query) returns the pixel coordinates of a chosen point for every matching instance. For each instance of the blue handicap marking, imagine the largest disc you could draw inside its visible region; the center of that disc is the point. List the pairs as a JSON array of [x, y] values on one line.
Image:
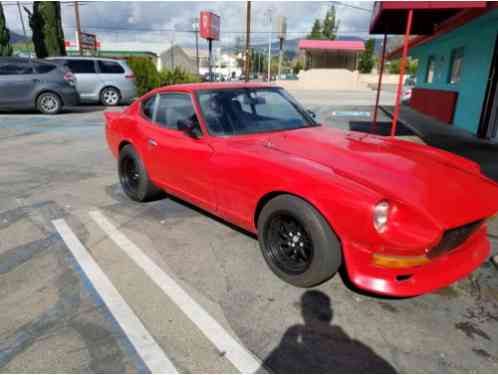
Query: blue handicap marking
[[350, 114]]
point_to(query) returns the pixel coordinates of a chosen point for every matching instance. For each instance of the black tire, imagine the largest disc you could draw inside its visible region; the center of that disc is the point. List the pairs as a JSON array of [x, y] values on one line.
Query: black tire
[[133, 177], [110, 96], [317, 261], [49, 103]]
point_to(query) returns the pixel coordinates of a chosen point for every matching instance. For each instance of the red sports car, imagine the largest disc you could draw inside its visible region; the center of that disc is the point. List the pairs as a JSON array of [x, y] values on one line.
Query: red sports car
[[404, 219]]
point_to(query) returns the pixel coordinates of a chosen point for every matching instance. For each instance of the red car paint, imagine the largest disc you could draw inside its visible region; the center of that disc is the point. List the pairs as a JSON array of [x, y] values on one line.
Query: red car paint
[[342, 174]]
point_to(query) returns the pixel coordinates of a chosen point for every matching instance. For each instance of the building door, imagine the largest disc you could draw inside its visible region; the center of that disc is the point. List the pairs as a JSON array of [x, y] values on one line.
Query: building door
[[489, 118]]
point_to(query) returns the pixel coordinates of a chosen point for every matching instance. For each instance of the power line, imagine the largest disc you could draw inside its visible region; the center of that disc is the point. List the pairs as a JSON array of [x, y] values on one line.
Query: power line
[[340, 3]]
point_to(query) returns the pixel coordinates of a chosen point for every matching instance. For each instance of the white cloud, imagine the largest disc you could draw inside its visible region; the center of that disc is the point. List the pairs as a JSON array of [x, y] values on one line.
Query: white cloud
[[155, 21]]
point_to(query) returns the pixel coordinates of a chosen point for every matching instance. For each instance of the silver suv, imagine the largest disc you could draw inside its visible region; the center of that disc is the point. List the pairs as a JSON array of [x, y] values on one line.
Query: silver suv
[[98, 80]]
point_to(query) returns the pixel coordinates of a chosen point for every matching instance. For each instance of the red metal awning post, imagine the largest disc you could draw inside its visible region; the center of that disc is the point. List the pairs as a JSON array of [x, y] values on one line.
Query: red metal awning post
[[381, 73], [402, 66]]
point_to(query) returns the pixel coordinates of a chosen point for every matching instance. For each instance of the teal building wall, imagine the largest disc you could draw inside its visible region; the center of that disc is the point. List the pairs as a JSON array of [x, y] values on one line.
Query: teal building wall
[[478, 41]]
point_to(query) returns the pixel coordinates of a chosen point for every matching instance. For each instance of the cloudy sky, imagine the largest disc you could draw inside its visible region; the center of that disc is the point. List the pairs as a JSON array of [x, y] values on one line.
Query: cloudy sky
[[153, 22]]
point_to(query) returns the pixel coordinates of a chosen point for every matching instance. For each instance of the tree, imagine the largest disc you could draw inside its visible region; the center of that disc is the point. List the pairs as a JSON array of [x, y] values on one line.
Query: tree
[[316, 31], [330, 24], [298, 66], [367, 61], [5, 46], [45, 22]]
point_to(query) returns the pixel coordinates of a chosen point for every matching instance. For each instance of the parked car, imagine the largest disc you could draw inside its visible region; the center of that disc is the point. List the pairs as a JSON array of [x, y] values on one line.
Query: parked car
[[35, 84], [403, 218], [98, 80], [408, 87]]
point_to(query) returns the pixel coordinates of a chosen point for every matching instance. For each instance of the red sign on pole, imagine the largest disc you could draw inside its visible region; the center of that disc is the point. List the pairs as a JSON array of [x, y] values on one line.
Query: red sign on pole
[[210, 25]]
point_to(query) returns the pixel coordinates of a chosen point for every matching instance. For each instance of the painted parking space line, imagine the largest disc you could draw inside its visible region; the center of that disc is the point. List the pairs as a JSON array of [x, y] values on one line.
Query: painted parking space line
[[145, 345], [240, 357]]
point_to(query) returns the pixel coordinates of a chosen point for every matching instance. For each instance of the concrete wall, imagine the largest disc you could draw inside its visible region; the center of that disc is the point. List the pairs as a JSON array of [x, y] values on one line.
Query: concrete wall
[[477, 39]]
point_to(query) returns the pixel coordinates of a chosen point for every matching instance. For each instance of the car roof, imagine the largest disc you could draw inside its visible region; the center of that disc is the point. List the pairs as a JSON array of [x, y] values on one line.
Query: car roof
[[83, 58], [191, 87], [24, 60]]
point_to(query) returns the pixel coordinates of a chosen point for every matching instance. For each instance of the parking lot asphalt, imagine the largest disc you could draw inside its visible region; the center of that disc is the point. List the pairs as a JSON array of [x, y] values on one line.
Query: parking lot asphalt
[[93, 282]]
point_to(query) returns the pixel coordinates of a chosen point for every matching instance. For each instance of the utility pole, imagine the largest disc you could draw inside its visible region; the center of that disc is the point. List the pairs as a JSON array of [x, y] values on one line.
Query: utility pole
[[268, 14], [195, 25], [248, 40], [78, 24]]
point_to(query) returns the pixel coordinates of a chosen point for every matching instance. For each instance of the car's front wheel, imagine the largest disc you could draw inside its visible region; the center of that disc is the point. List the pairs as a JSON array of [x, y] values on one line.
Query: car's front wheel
[[49, 103], [133, 177], [297, 242]]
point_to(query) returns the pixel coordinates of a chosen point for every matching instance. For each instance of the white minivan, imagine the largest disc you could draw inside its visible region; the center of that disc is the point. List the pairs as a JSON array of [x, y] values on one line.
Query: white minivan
[[100, 80]]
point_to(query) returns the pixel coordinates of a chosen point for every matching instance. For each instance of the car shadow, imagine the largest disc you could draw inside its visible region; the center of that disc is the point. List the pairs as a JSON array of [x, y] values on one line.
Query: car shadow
[[318, 346]]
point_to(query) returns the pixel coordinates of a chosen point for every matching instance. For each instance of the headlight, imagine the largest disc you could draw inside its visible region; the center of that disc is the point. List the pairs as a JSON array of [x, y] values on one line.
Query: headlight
[[381, 216]]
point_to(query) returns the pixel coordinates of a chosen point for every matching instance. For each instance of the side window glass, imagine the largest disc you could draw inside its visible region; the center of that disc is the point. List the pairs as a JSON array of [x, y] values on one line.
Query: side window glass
[[110, 67], [15, 68], [82, 66], [172, 109], [44, 68], [148, 107]]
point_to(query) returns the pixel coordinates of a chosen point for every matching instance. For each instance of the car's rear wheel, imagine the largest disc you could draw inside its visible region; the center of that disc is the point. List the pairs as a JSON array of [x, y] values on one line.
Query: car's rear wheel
[[297, 242], [49, 103], [133, 177], [110, 96]]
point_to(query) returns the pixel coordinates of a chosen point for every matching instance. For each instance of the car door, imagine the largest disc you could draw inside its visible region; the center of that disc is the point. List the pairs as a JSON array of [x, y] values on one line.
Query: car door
[[176, 160], [17, 83], [87, 83]]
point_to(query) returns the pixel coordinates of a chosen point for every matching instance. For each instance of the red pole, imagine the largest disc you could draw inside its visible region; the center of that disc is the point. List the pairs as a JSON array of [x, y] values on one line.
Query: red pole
[[401, 72], [381, 73]]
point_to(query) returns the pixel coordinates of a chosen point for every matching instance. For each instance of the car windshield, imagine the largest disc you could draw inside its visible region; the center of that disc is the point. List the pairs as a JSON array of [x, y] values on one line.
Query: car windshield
[[251, 110]]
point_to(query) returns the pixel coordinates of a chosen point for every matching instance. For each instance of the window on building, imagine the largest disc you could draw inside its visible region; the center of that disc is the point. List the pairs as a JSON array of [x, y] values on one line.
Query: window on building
[[431, 65], [456, 63]]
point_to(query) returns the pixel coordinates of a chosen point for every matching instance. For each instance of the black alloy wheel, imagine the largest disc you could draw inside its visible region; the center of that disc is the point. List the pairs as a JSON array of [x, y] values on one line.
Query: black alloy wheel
[[297, 243], [288, 244], [134, 178], [130, 175]]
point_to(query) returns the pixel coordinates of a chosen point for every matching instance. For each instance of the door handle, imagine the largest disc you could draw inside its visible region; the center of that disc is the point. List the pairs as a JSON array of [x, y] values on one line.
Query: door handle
[[152, 142]]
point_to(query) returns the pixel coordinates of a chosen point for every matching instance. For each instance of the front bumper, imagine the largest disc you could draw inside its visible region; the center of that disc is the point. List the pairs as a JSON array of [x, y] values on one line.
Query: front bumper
[[404, 282]]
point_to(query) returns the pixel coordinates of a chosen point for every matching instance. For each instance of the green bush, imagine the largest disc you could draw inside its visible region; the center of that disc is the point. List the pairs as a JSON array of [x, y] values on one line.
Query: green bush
[[411, 68], [177, 75], [146, 75], [148, 78]]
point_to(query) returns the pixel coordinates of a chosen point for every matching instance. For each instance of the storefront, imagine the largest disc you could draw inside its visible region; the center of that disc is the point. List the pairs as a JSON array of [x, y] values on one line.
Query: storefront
[[457, 51], [331, 54]]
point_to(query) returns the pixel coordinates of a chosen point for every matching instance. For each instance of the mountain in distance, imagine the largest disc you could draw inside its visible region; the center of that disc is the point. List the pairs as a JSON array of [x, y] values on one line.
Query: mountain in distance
[[18, 38]]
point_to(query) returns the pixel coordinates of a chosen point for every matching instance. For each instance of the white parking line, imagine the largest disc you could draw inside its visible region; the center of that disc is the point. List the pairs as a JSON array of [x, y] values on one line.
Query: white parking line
[[145, 345], [240, 357]]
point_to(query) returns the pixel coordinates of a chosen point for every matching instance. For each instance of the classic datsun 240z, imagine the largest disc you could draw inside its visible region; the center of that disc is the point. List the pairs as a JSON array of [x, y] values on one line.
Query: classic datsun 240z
[[402, 218]]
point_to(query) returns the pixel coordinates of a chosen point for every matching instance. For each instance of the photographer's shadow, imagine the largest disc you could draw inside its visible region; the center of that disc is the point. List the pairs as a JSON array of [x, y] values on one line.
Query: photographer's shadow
[[319, 347]]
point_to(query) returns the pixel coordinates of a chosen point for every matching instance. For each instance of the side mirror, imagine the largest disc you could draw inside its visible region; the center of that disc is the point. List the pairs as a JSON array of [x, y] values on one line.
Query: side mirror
[[311, 113], [191, 128]]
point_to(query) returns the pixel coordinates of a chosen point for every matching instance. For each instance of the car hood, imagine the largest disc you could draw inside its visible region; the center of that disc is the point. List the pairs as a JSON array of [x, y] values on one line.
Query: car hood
[[446, 187]]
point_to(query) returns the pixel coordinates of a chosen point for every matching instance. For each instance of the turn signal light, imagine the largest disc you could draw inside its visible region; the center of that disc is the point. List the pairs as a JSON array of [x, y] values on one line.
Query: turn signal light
[[393, 261]]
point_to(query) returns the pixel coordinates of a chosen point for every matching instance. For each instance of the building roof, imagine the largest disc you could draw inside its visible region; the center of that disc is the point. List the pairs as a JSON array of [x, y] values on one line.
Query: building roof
[[332, 45], [461, 18], [389, 17]]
